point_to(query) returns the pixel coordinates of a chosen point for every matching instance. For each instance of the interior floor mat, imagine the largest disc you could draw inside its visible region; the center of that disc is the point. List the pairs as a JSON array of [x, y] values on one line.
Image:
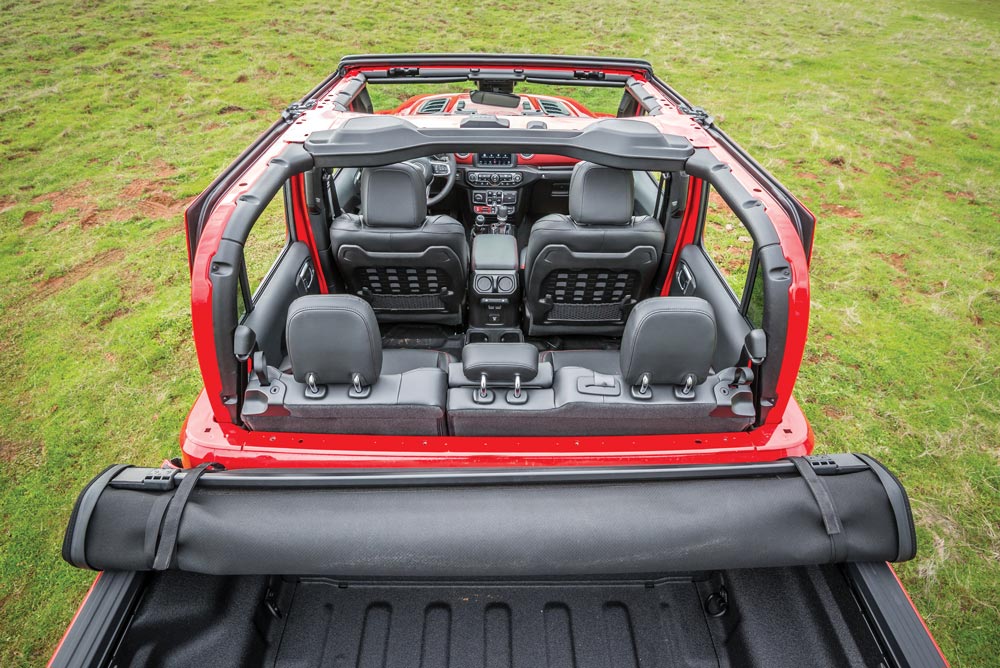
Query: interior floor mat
[[423, 337], [575, 342]]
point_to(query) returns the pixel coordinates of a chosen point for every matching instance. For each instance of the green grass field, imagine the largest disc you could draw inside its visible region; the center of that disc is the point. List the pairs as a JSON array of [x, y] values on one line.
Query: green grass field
[[881, 116]]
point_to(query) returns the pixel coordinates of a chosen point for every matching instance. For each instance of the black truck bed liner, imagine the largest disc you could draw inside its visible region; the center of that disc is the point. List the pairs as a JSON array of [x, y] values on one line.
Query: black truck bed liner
[[770, 617], [612, 624]]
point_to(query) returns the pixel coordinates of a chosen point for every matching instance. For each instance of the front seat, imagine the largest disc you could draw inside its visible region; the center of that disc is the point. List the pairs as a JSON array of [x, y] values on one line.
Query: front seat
[[584, 272], [409, 266]]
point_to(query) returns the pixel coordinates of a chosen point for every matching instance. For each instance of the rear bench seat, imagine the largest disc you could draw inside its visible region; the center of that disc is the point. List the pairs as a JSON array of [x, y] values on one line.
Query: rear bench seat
[[660, 383], [337, 378]]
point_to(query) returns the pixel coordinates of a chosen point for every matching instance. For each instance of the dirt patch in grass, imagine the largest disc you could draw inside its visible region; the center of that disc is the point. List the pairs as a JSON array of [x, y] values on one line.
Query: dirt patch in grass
[[108, 319], [148, 198], [7, 203], [30, 218], [906, 172], [163, 169], [833, 412], [50, 286], [839, 210], [954, 196], [21, 452], [839, 162], [64, 200], [896, 260], [140, 198]]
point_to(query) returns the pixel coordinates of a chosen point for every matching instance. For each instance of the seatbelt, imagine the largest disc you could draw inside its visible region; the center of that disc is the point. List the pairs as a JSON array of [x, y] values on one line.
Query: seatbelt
[[659, 199], [332, 203]]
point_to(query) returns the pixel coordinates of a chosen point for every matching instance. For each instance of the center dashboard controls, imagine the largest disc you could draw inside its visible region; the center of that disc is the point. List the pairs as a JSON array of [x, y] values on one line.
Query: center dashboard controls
[[494, 197], [490, 202], [506, 179]]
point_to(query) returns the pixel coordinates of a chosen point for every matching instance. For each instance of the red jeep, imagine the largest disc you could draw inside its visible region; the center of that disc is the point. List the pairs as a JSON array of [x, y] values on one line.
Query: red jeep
[[525, 220], [516, 388]]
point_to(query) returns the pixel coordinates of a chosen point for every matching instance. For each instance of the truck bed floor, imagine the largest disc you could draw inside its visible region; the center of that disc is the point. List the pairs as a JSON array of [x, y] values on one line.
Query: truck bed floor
[[585, 625], [773, 618]]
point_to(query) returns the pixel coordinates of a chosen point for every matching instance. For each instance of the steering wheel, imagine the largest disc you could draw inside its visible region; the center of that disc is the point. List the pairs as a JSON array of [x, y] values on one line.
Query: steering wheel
[[441, 166]]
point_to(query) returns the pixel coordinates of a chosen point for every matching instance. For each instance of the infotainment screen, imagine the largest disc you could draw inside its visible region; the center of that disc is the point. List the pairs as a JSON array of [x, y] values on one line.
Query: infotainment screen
[[495, 159]]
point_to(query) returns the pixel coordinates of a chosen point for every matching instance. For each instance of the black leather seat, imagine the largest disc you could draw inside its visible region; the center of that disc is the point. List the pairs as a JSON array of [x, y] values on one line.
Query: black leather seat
[[583, 273], [409, 266], [602, 361], [340, 380], [661, 383]]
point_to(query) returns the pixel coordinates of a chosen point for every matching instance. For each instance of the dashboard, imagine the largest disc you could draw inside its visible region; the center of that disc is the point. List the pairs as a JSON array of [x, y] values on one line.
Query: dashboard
[[501, 160], [497, 185]]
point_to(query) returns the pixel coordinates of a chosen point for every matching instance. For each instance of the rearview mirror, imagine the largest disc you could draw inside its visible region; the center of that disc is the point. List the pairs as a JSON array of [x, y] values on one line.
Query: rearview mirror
[[508, 100]]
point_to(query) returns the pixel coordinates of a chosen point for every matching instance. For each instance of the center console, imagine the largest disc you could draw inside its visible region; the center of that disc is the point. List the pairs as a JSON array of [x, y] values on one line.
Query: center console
[[494, 192], [494, 290]]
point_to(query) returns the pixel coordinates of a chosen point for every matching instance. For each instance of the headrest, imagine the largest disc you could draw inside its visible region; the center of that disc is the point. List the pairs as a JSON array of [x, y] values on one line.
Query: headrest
[[601, 195], [500, 361], [334, 337], [393, 196], [669, 338]]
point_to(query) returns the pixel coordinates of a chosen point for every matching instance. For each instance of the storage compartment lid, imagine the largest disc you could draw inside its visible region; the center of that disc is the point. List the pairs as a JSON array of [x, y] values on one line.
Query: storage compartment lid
[[494, 252]]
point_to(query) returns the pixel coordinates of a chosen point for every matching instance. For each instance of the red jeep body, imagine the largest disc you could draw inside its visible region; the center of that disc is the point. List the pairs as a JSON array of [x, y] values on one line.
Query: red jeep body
[[213, 432]]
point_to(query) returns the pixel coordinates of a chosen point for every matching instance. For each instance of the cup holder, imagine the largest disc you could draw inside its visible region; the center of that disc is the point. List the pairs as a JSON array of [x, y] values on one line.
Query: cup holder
[[494, 335]]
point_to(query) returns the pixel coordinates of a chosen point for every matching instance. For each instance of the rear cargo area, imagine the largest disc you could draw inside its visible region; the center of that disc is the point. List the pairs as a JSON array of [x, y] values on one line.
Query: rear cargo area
[[767, 564], [801, 616]]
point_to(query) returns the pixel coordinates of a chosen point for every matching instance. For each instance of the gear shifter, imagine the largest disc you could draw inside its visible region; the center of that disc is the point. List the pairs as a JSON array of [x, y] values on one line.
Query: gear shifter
[[500, 227]]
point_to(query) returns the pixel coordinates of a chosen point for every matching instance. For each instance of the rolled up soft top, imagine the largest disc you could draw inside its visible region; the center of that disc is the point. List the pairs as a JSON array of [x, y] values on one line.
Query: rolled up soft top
[[492, 523]]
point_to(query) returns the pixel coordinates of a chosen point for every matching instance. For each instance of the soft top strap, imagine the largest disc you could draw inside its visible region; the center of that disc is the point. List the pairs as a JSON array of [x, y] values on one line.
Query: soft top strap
[[831, 520], [172, 519]]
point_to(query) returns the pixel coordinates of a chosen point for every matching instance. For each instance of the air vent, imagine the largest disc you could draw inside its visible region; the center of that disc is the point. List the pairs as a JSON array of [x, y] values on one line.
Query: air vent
[[554, 108], [433, 106]]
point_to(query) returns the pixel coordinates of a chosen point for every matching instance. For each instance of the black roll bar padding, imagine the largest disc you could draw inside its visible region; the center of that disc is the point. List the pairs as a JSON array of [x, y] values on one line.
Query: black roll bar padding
[[368, 141], [704, 165]]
